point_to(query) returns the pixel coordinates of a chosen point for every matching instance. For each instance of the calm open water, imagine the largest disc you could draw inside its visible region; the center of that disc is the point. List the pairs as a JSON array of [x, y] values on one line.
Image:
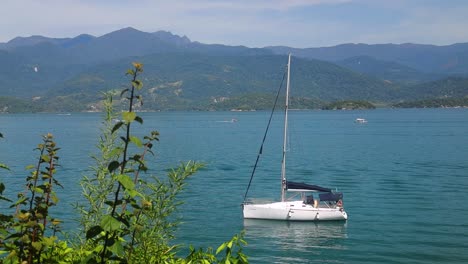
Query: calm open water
[[404, 176]]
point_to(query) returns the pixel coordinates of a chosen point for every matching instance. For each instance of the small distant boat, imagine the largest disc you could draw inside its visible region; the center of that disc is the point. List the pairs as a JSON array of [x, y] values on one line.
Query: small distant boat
[[233, 120], [360, 120], [307, 202]]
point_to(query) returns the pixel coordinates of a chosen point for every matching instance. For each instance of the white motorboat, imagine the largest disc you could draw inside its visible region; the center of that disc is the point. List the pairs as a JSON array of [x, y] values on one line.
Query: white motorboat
[[299, 201], [360, 120]]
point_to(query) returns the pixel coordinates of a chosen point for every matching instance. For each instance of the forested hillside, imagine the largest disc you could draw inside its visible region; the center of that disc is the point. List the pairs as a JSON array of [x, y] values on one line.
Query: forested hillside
[[69, 74]]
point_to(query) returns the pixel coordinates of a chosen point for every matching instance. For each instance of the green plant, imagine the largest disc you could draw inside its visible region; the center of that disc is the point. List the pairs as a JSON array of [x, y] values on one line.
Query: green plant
[[232, 253], [29, 235], [126, 218], [95, 189], [2, 186], [131, 223]]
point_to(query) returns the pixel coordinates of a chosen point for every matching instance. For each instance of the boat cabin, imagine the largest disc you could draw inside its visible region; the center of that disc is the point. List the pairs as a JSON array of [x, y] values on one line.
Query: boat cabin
[[315, 195]]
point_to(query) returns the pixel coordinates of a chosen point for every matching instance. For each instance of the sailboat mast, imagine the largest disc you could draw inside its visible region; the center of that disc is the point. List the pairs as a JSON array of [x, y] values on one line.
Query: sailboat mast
[[286, 108]]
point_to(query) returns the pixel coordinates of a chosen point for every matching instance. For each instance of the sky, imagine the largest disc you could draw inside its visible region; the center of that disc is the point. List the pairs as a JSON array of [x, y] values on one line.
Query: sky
[[251, 23]]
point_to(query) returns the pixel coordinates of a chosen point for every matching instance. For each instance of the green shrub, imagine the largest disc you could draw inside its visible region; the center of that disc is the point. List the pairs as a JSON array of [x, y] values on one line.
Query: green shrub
[[123, 219]]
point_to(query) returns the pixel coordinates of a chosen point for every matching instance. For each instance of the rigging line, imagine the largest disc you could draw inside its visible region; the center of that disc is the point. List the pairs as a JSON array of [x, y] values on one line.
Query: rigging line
[[264, 136]]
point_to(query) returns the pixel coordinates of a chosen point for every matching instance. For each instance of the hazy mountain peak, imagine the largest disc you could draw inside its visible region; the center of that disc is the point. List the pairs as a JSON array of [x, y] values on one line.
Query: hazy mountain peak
[[128, 31], [167, 36], [84, 36], [78, 40]]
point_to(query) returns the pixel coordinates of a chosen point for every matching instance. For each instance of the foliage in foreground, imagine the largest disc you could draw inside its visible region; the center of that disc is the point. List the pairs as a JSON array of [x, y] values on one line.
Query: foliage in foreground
[[126, 219]]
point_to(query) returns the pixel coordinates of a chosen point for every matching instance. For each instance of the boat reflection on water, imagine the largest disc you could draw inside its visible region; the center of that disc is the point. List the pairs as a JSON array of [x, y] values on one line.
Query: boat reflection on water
[[298, 242]]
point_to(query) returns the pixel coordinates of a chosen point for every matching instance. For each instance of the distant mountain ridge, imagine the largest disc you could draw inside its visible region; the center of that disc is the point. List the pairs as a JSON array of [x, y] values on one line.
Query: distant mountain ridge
[[85, 38], [445, 60], [179, 72], [35, 40], [124, 41], [450, 59]]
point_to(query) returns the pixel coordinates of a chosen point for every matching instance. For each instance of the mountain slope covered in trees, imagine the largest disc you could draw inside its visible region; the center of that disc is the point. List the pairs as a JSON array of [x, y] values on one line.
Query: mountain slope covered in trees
[[69, 74]]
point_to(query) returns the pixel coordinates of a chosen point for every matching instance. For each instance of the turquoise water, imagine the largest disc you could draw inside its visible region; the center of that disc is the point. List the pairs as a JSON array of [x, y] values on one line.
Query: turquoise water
[[404, 176]]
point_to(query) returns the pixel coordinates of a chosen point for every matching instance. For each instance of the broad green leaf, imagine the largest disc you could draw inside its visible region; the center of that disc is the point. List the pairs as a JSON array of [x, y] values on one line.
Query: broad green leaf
[[38, 190], [128, 116], [139, 119], [21, 200], [109, 223], [54, 198], [3, 166], [114, 152], [93, 231], [37, 245], [136, 140], [220, 248], [111, 203], [45, 158], [117, 248], [113, 166], [126, 181], [48, 241], [67, 251], [55, 222], [137, 158], [137, 84], [131, 192], [117, 126], [4, 199]]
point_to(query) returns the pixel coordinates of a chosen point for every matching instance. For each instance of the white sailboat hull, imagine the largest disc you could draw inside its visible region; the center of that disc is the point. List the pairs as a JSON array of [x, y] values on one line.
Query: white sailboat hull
[[292, 211]]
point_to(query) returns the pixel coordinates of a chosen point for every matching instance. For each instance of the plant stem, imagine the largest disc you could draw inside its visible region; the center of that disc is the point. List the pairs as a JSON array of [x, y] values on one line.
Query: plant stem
[[122, 166]]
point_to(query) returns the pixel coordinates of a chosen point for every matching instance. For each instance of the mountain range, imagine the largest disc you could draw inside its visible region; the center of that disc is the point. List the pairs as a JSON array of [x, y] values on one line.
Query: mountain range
[[70, 74]]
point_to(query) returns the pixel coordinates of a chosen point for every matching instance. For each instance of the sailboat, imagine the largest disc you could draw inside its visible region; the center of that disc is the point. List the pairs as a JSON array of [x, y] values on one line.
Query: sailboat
[[299, 201]]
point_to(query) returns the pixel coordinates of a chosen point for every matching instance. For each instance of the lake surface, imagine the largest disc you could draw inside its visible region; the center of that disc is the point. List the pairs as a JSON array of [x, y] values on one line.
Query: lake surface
[[404, 176]]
